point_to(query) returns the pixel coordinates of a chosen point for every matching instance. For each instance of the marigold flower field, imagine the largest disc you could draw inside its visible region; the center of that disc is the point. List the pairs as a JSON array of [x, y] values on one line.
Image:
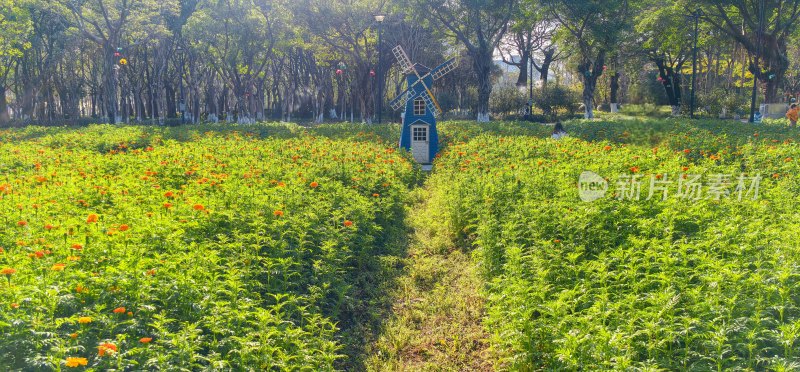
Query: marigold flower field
[[260, 247], [623, 283], [137, 248]]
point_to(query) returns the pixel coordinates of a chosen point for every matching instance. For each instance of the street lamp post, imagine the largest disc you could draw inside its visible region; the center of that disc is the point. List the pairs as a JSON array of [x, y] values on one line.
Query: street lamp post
[[379, 74], [530, 87], [696, 15], [757, 63], [180, 79]]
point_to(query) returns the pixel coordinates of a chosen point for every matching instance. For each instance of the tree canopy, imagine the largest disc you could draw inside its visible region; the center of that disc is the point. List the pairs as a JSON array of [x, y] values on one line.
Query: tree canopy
[[247, 60]]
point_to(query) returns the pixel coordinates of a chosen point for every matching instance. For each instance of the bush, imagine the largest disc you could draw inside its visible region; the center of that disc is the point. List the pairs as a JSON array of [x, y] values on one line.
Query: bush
[[557, 101], [714, 102], [647, 89], [507, 100]]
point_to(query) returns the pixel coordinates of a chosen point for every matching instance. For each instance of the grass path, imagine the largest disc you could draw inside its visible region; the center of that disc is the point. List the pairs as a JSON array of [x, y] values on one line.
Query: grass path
[[435, 322]]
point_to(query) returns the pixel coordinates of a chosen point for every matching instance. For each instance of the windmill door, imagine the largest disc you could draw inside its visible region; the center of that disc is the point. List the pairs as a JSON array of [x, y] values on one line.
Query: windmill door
[[420, 143]]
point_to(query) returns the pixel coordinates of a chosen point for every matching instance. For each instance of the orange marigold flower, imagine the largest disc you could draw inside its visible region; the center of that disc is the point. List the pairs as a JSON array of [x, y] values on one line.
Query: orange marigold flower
[[169, 194], [38, 254], [119, 310], [314, 185], [607, 148], [73, 362], [8, 271], [14, 305], [77, 246], [198, 207], [145, 340], [686, 151], [84, 320], [106, 348], [124, 227], [92, 218], [73, 335], [22, 223], [130, 313], [376, 195], [58, 267], [49, 227], [634, 169], [348, 223], [167, 205], [556, 240], [150, 272], [278, 213]]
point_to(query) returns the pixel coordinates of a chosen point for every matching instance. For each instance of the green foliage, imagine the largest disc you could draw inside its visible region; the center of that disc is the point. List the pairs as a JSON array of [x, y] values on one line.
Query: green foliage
[[15, 29], [621, 284], [507, 100], [229, 250], [557, 101], [647, 89], [714, 102]]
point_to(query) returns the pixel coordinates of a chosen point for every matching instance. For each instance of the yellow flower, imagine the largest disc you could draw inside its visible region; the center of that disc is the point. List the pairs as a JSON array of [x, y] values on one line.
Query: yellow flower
[[84, 320], [58, 267], [76, 362]]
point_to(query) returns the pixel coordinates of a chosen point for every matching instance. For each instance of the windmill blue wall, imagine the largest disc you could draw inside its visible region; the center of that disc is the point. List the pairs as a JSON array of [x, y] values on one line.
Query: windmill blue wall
[[428, 118]]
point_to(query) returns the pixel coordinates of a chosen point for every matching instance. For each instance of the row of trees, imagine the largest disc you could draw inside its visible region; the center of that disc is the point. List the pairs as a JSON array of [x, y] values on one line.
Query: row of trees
[[244, 60]]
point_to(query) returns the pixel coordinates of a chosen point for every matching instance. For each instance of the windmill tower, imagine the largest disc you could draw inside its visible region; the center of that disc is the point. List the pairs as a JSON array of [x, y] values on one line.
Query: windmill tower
[[419, 134]]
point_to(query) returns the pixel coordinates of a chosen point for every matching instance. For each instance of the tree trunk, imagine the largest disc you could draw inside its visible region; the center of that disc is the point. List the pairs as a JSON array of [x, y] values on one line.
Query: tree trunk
[[4, 117], [110, 82], [544, 69], [172, 110], [590, 73], [482, 63], [614, 92], [615, 88], [672, 84], [522, 79]]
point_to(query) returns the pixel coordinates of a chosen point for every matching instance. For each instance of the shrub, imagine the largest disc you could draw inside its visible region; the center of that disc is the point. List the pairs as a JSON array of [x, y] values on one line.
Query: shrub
[[557, 101], [507, 100]]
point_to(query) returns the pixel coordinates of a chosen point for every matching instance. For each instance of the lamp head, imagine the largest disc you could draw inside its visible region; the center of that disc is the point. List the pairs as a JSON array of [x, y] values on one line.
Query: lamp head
[[379, 18]]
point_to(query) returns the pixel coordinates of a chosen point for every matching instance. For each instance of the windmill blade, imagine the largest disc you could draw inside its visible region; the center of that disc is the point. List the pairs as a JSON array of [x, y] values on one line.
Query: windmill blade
[[402, 57], [429, 101], [401, 100], [444, 69]]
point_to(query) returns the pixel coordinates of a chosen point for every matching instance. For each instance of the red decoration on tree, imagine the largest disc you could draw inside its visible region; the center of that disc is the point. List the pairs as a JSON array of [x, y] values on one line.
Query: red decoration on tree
[[605, 67], [116, 54], [372, 73], [339, 72]]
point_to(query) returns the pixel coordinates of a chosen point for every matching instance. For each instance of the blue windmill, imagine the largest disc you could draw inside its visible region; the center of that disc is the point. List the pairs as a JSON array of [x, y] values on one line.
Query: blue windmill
[[419, 134]]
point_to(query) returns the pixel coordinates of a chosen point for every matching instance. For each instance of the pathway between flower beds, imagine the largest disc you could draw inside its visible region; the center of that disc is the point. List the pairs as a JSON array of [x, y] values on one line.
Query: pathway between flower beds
[[435, 323]]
